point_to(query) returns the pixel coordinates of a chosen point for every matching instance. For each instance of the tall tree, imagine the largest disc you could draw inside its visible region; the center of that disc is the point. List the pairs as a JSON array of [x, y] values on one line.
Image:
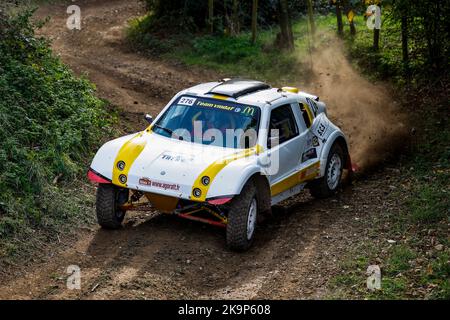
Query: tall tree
[[405, 53], [211, 15], [286, 36], [340, 25], [235, 25], [254, 20], [376, 34], [311, 17], [401, 12]]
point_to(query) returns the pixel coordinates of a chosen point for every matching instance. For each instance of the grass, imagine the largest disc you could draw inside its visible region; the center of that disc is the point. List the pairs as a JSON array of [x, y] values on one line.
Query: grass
[[51, 123], [418, 265]]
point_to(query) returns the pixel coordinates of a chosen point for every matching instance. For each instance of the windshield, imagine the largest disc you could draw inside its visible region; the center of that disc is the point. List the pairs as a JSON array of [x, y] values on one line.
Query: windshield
[[210, 122]]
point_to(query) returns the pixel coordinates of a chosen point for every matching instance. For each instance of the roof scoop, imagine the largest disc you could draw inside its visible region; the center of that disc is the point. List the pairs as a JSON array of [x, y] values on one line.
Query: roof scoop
[[236, 88]]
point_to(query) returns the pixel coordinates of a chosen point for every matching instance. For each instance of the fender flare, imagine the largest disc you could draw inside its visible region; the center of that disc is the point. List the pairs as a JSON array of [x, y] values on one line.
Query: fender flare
[[262, 185], [335, 137], [246, 175]]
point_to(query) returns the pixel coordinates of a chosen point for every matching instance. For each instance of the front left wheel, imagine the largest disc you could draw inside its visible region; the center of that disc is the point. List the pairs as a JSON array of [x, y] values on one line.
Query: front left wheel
[[242, 218], [109, 200]]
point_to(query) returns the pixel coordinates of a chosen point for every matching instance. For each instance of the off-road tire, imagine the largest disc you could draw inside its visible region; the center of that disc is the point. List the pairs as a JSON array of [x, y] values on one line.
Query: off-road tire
[[237, 238], [109, 198], [319, 188]]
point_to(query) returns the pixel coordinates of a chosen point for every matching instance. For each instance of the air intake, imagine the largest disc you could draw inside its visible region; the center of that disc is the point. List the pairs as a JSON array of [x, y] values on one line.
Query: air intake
[[236, 88]]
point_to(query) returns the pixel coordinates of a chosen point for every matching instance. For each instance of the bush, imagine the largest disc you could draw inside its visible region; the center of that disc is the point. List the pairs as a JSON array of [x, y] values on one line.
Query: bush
[[50, 121]]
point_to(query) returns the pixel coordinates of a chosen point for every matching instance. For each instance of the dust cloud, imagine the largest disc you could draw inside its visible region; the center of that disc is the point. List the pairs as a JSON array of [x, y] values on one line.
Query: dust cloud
[[364, 110]]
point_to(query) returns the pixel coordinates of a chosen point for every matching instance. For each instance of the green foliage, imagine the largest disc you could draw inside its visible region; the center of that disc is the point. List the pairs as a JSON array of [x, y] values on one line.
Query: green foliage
[[428, 30], [440, 275], [399, 259], [232, 49], [143, 36], [50, 121], [196, 12], [237, 56], [428, 48], [430, 204]]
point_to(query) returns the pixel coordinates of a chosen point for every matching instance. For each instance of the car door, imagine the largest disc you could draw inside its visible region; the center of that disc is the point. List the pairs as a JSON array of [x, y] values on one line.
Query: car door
[[286, 155], [313, 144]]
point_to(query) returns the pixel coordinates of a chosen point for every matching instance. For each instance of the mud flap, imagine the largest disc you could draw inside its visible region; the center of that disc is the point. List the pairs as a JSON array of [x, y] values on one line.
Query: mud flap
[[351, 168]]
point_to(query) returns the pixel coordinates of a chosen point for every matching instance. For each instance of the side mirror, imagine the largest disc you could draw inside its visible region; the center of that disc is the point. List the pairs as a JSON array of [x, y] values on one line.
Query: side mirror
[[149, 118]]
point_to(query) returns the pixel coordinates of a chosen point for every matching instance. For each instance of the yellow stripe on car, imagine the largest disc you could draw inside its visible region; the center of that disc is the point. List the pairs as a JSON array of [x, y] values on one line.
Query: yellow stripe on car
[[213, 169], [296, 178], [309, 112], [220, 97], [126, 157]]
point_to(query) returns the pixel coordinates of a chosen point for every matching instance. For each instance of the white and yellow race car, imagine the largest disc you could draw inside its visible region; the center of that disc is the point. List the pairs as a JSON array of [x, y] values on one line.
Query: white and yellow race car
[[223, 153]]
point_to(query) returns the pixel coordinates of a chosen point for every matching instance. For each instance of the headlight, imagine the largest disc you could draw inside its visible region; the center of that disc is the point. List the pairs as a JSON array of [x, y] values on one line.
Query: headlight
[[121, 165], [123, 178], [206, 180], [197, 192]]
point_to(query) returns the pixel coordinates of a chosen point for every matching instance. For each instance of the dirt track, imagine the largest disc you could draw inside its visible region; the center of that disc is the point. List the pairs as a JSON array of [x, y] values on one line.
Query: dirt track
[[294, 256]]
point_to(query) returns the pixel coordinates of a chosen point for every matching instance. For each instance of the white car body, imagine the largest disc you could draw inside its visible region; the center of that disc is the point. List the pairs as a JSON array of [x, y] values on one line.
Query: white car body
[[159, 165]]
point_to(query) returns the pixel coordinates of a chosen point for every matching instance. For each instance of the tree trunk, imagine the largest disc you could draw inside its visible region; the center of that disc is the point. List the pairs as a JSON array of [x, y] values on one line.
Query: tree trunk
[[211, 15], [311, 17], [376, 39], [235, 18], [405, 55], [254, 20], [340, 25], [286, 40], [352, 28]]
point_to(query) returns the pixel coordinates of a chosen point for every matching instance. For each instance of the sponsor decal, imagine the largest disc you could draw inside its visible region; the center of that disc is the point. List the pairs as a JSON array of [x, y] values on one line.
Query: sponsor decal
[[309, 172], [322, 129], [315, 141], [187, 101], [145, 182], [158, 184], [249, 111], [245, 110], [215, 105], [174, 158], [310, 154]]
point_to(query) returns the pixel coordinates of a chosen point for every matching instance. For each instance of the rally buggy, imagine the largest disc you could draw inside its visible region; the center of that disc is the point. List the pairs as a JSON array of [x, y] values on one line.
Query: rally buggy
[[222, 153]]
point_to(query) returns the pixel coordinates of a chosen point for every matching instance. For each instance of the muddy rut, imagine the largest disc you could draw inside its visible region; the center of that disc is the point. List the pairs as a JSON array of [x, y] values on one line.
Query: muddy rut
[[295, 254]]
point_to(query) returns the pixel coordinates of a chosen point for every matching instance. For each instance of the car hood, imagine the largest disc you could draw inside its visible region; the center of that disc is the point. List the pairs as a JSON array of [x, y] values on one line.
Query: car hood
[[157, 164]]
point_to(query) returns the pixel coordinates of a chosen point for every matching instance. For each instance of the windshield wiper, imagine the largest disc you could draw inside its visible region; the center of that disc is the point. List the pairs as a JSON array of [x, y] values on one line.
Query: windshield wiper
[[169, 131]]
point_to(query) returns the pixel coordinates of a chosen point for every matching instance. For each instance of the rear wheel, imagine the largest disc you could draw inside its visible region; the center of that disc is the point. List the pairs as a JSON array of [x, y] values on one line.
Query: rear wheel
[[242, 218], [329, 183], [109, 200]]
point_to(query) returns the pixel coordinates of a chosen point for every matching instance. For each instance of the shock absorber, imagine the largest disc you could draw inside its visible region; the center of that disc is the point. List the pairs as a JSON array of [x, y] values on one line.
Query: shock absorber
[[136, 196]]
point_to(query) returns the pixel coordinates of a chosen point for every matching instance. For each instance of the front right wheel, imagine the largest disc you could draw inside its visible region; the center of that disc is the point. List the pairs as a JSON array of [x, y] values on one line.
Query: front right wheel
[[242, 217], [109, 200], [327, 185]]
